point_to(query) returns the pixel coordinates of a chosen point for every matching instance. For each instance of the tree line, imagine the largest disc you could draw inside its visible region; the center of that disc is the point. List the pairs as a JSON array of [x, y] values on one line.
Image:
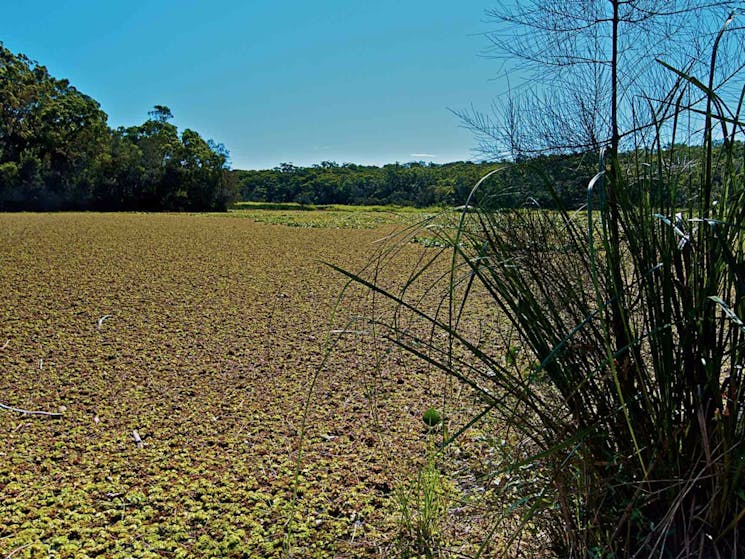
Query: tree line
[[416, 184], [544, 181], [57, 152]]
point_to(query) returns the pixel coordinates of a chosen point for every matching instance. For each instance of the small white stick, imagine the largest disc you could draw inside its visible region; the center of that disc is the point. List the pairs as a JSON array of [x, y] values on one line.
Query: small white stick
[[17, 550], [28, 412]]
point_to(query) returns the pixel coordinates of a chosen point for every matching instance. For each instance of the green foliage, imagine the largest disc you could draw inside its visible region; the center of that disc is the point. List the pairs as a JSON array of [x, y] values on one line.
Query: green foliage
[[421, 185], [431, 417], [155, 169], [51, 135], [57, 152], [411, 184], [422, 512]]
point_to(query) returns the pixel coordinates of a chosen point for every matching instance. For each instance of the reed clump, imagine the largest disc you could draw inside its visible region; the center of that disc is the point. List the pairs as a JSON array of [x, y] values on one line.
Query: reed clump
[[624, 326]]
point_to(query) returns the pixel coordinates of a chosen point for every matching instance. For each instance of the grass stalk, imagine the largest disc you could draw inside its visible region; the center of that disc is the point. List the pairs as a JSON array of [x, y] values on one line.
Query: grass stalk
[[629, 392]]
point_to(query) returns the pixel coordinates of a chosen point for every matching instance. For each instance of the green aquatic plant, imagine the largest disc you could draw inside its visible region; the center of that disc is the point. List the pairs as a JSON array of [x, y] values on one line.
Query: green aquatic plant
[[432, 417]]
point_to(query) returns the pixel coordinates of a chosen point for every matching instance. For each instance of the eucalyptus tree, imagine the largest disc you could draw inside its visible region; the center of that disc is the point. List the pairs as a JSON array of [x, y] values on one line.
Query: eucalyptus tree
[[593, 80], [630, 314], [52, 137], [582, 73]]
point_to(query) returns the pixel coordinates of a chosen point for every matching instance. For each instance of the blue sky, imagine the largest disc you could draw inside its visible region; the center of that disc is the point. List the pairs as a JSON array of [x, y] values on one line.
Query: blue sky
[[276, 81]]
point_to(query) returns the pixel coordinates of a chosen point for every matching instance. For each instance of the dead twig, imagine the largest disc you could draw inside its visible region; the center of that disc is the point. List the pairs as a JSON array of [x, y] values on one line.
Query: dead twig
[[17, 550], [29, 412], [137, 439], [102, 319]]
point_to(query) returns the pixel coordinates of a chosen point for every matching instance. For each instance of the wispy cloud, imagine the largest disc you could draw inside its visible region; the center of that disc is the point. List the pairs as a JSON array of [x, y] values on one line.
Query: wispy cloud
[[423, 155]]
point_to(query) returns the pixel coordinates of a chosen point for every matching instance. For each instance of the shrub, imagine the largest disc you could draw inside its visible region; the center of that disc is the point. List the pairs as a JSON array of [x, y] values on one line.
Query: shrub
[[624, 328]]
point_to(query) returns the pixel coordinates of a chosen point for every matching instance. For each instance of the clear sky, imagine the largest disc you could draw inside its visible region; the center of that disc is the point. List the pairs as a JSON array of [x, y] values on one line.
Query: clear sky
[[275, 81]]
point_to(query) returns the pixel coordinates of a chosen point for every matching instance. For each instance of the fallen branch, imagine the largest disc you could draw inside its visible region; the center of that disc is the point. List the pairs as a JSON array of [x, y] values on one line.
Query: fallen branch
[[18, 549], [29, 412]]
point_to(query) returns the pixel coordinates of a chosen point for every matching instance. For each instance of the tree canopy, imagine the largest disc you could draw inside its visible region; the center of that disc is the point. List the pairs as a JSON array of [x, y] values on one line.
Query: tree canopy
[[561, 179], [416, 184], [58, 152]]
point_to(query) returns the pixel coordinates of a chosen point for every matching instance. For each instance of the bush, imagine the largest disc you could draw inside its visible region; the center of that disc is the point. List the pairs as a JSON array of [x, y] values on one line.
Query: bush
[[624, 329]]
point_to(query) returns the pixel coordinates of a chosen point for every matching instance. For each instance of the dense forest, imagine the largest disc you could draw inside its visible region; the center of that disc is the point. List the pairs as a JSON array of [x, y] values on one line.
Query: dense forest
[[416, 184], [57, 152], [542, 181]]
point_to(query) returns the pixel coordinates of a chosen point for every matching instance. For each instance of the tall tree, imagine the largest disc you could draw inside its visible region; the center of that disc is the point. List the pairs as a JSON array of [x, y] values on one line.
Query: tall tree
[[156, 169], [587, 69], [57, 152], [592, 71], [52, 137]]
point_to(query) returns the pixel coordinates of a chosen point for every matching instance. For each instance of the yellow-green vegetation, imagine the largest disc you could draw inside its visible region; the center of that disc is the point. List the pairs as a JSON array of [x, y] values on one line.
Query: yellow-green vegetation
[[201, 335], [423, 506], [331, 216]]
